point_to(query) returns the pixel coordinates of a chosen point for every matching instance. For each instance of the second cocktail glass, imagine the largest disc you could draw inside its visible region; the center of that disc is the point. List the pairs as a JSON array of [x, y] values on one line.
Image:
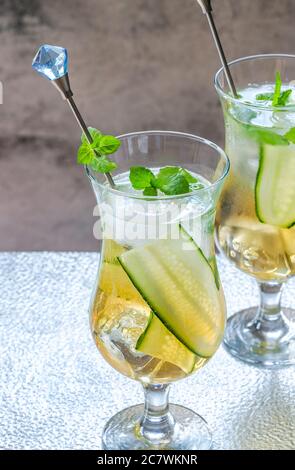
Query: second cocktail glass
[[256, 216], [158, 312]]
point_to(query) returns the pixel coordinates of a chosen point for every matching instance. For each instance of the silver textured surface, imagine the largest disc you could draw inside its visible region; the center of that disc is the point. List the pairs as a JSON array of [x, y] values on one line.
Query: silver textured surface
[[57, 392]]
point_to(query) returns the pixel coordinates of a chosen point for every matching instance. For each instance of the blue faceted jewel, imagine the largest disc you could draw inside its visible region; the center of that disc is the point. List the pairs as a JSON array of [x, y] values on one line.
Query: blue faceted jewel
[[51, 61]]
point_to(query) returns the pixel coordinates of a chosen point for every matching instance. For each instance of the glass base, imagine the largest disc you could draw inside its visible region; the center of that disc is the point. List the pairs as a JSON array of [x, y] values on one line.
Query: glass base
[[266, 343], [122, 432]]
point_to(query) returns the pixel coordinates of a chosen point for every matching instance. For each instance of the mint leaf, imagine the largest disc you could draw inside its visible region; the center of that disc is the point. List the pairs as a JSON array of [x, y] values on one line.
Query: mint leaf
[[189, 178], [171, 181], [277, 92], [107, 144], [284, 97], [265, 97], [168, 171], [95, 134], [267, 136], [150, 191], [103, 164], [141, 177], [290, 135], [94, 154], [176, 184], [85, 154], [282, 100]]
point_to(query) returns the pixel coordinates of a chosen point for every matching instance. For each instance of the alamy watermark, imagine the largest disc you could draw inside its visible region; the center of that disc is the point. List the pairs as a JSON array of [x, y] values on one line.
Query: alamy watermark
[[151, 221]]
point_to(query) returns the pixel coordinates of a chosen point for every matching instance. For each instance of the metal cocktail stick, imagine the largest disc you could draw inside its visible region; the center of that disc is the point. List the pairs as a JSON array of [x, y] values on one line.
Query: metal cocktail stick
[[63, 85], [208, 10], [57, 73]]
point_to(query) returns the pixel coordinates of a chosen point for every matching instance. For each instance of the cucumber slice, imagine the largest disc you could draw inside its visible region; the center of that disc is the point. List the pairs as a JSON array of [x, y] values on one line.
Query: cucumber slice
[[213, 264], [211, 261], [179, 286], [157, 341], [275, 186]]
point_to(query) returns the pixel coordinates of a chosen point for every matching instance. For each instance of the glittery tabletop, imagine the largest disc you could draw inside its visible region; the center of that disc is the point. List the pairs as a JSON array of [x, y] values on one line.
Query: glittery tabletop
[[57, 392]]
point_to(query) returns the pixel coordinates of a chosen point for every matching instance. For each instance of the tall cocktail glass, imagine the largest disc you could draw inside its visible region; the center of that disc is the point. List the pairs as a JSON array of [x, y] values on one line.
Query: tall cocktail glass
[[256, 215], [157, 313]]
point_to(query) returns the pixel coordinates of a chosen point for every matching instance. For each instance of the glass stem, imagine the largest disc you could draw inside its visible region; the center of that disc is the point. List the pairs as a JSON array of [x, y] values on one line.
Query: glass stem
[[157, 423], [270, 325], [270, 300]]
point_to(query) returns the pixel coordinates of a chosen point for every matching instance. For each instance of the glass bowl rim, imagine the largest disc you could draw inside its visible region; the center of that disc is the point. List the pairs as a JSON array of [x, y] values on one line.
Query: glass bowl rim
[[202, 140], [227, 96]]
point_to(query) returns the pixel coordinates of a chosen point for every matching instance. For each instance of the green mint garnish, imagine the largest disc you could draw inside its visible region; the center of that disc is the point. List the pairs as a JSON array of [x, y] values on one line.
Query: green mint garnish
[[103, 164], [188, 176], [282, 101], [108, 145], [141, 178], [267, 136], [279, 97], [284, 97], [170, 180], [150, 191], [94, 154], [265, 96], [95, 134], [290, 135], [277, 92]]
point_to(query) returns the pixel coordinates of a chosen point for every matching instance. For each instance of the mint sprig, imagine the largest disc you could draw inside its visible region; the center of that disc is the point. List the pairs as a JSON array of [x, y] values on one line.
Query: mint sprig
[[290, 135], [277, 92], [267, 136], [283, 99], [265, 97], [278, 97], [95, 154], [150, 191], [170, 180], [141, 177]]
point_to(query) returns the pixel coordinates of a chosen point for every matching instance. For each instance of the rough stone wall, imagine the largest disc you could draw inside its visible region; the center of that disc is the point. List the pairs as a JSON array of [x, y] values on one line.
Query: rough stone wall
[[135, 64]]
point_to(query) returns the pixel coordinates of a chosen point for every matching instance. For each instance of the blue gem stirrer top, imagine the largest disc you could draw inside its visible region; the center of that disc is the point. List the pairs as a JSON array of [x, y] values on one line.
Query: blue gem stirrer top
[[51, 62], [208, 11]]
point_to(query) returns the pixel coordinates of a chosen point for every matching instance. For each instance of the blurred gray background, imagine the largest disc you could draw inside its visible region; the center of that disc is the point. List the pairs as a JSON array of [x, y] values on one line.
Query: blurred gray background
[[135, 65]]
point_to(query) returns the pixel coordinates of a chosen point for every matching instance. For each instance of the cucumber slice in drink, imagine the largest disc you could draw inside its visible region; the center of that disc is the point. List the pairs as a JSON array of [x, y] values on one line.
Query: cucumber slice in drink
[[179, 286], [211, 261], [275, 186], [157, 341]]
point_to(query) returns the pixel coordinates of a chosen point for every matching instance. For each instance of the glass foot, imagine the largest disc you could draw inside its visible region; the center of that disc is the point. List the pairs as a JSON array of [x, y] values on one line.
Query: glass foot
[[190, 432], [268, 342]]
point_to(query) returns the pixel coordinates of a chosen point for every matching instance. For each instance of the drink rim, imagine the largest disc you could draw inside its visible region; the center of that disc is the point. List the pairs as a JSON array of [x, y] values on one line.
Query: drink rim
[[223, 156], [232, 99]]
